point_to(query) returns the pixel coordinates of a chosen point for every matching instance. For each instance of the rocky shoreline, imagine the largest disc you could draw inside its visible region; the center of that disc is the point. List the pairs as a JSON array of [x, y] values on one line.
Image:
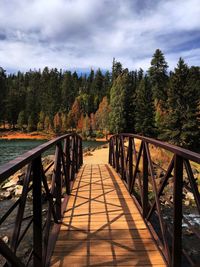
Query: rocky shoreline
[[12, 187]]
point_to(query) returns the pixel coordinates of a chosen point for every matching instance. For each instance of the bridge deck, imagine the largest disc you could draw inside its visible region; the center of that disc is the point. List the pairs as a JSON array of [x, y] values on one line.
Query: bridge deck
[[102, 226]]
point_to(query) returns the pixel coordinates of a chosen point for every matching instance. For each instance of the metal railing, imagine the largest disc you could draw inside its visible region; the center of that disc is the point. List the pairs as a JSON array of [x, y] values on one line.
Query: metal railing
[[67, 160], [134, 158]]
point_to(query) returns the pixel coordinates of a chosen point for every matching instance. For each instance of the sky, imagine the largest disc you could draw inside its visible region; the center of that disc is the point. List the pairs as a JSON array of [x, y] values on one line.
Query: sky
[[85, 34]]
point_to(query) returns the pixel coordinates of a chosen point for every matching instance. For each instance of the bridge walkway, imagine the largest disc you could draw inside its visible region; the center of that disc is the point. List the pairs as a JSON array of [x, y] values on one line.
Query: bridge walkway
[[102, 226]]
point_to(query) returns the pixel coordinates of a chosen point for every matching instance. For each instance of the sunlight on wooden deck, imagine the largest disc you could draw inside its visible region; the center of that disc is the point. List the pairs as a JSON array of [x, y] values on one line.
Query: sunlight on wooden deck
[[102, 226]]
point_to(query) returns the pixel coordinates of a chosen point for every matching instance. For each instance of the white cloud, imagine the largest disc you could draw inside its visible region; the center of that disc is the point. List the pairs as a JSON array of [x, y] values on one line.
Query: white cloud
[[89, 33]]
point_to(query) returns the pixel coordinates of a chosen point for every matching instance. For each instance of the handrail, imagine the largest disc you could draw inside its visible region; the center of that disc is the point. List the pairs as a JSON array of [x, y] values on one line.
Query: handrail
[[68, 159], [135, 164], [14, 165]]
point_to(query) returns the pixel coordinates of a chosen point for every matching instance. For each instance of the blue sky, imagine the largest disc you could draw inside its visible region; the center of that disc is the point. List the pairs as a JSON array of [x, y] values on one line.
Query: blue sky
[[84, 34]]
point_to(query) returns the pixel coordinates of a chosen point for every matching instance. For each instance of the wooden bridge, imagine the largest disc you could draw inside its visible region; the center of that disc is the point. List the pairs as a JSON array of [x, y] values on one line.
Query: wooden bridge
[[109, 210]]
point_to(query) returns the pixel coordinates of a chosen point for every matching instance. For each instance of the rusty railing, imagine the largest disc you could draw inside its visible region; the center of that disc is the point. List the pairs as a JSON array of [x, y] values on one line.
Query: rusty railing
[[160, 192], [40, 222]]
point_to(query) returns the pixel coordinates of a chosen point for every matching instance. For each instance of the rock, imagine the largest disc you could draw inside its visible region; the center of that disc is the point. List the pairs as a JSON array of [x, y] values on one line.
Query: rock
[[13, 180], [9, 184], [10, 189], [18, 190], [187, 203], [189, 196], [5, 195], [5, 239]]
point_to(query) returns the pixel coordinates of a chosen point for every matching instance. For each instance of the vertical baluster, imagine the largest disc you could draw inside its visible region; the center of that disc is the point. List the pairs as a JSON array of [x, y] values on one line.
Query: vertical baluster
[[145, 183], [72, 160], [117, 153], [76, 153], [110, 153], [122, 157], [177, 220], [80, 152], [67, 163], [58, 182], [37, 213], [113, 153], [130, 163]]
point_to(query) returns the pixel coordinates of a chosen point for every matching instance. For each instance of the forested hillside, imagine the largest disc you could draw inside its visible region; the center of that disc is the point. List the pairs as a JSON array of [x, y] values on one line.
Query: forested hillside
[[158, 103]]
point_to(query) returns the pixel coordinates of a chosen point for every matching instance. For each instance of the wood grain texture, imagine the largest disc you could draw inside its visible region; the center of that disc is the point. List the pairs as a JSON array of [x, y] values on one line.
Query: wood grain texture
[[102, 226]]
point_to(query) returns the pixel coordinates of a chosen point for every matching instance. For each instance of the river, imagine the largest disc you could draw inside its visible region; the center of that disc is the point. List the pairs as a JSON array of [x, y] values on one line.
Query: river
[[10, 149]]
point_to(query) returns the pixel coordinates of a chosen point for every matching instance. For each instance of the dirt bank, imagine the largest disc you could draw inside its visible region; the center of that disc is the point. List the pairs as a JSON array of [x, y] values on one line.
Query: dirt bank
[[9, 135]]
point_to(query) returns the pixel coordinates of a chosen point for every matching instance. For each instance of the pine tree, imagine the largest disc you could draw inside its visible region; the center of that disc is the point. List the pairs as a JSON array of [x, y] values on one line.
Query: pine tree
[[86, 126], [68, 92], [182, 122], [144, 113], [97, 90], [130, 104], [13, 101], [102, 114], [80, 123], [21, 121], [158, 76], [31, 123], [116, 69], [57, 122], [107, 84], [159, 79], [117, 103], [40, 125], [75, 112], [47, 124]]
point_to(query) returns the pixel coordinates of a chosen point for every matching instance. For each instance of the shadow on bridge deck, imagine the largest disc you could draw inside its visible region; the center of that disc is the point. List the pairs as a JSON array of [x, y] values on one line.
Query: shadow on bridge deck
[[102, 226]]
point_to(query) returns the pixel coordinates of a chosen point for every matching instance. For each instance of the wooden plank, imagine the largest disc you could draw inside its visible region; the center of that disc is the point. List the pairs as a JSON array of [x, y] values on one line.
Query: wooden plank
[[102, 226], [121, 247], [137, 259], [105, 234]]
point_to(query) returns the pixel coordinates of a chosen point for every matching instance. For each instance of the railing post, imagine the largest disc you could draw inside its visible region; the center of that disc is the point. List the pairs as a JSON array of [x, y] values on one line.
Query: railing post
[[76, 152], [122, 157], [72, 160], [110, 154], [145, 183], [130, 163], [177, 216], [67, 163], [58, 182], [117, 154], [113, 153], [80, 152], [37, 213]]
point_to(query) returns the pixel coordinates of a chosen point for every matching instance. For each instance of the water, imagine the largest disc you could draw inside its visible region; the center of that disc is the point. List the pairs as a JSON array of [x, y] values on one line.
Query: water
[[10, 149]]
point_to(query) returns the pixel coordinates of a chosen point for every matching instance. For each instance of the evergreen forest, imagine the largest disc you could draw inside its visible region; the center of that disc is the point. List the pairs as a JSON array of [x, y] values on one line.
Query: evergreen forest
[[157, 103]]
